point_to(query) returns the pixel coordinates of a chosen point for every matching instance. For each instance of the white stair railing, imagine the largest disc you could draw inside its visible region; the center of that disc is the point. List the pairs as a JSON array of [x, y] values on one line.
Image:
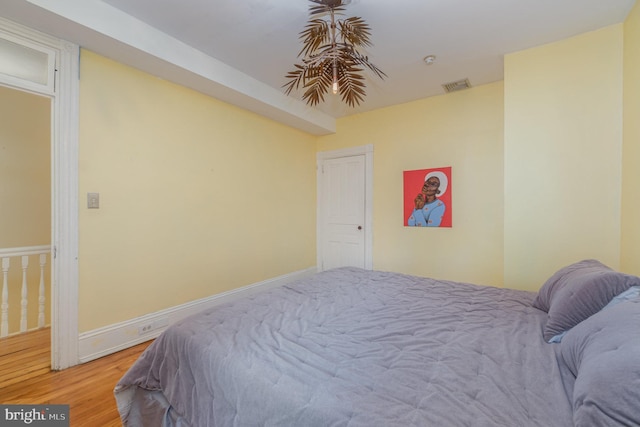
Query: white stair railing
[[22, 255], [4, 307], [41, 291]]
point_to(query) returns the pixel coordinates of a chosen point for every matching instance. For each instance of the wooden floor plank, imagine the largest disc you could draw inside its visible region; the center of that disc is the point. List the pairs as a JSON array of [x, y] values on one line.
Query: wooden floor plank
[[24, 342], [25, 378]]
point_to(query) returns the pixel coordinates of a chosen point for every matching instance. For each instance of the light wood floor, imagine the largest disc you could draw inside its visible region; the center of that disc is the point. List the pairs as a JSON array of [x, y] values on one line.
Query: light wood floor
[[25, 378]]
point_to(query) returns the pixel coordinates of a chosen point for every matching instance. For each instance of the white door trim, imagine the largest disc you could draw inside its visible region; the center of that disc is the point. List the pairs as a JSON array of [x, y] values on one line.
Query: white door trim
[[64, 191], [367, 151]]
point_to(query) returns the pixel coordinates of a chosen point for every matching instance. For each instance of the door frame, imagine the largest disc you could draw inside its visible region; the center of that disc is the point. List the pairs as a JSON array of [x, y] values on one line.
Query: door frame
[[321, 157], [64, 186]]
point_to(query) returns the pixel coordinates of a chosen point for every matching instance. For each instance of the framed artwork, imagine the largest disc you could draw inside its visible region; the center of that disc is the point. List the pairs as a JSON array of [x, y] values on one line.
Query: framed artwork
[[427, 197]]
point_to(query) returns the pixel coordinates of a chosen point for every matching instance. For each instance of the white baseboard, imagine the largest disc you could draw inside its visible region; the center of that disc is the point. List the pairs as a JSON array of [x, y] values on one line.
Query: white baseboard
[[119, 336]]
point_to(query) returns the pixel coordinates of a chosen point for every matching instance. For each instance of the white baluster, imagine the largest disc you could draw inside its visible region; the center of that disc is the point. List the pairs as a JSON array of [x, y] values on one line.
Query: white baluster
[[41, 298], [4, 308], [25, 301]]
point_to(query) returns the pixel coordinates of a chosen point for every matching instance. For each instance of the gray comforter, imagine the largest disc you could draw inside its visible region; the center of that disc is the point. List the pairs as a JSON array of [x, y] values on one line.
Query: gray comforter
[[350, 347]]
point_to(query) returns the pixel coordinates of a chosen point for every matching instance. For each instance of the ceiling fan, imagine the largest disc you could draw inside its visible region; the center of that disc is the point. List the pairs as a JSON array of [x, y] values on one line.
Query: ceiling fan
[[330, 55]]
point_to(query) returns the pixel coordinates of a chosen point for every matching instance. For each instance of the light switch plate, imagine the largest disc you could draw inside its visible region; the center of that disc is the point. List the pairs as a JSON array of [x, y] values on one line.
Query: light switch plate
[[93, 200]]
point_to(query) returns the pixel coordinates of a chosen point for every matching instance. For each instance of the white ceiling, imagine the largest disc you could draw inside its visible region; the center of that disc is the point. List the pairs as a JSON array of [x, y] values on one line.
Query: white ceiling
[[259, 38]]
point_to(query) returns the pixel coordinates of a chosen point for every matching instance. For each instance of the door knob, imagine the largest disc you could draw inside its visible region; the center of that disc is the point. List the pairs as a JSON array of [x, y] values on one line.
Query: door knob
[[359, 227]]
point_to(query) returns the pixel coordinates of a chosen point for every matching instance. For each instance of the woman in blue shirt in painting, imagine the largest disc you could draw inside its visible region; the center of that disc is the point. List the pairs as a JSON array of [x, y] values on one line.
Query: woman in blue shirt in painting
[[429, 210]]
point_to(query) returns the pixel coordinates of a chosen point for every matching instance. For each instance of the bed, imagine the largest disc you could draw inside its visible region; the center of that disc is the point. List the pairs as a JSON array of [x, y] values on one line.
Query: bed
[[353, 347]]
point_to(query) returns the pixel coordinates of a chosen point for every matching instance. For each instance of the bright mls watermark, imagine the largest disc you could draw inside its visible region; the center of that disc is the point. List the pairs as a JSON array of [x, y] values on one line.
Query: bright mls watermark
[[34, 415]]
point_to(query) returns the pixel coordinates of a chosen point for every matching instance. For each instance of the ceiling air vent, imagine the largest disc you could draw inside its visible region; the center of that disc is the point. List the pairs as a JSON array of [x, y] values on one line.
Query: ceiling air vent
[[454, 86]]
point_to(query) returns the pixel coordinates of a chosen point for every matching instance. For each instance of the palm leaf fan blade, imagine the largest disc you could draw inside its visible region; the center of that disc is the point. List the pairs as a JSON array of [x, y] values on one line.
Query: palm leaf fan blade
[[355, 31], [295, 78], [315, 35]]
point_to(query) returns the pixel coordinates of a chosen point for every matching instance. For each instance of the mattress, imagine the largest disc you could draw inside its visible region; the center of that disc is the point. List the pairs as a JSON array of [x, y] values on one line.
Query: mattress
[[353, 347]]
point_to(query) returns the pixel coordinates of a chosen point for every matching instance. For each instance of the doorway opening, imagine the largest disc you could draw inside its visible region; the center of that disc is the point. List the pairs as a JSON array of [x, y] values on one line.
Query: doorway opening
[[47, 67], [25, 206]]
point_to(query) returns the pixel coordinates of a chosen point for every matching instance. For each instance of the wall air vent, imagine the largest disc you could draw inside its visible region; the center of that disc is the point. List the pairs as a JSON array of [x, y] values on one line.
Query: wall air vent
[[454, 86]]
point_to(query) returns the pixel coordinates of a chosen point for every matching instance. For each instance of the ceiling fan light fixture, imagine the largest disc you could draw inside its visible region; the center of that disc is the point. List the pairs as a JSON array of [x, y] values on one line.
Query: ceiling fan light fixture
[[331, 59]]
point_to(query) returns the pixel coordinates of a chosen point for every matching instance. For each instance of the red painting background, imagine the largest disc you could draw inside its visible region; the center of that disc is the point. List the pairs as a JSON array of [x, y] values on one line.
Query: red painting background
[[413, 182]]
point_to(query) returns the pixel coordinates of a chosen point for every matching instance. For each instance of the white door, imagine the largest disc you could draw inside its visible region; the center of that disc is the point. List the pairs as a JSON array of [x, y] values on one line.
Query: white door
[[344, 225]]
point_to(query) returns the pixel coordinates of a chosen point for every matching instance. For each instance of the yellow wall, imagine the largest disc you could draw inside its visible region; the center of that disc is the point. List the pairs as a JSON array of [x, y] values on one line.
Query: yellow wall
[[463, 130], [537, 167], [630, 259], [563, 147], [25, 169], [197, 197]]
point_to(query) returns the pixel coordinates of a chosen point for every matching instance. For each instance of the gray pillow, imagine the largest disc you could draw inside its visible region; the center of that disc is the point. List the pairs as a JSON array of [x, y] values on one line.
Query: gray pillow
[[603, 353], [578, 291], [562, 277]]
